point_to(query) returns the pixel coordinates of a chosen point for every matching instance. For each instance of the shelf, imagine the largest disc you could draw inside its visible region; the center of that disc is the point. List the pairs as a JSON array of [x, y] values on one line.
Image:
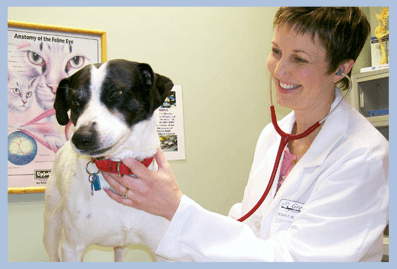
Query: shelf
[[379, 121], [370, 95], [366, 94]]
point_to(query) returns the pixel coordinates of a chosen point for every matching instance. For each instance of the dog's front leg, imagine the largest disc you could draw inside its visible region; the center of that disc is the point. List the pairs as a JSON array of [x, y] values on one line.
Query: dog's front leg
[[53, 211], [120, 253], [53, 232], [71, 253]]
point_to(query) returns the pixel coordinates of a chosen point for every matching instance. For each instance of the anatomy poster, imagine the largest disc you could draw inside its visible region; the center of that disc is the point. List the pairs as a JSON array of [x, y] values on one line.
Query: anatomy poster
[[170, 125], [38, 59]]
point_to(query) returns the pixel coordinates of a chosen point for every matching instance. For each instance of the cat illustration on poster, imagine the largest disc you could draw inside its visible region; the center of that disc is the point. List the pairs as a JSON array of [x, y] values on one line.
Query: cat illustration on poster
[[34, 72]]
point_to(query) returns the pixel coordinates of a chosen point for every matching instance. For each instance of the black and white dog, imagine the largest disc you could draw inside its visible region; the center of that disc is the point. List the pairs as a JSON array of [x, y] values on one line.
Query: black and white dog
[[111, 107]]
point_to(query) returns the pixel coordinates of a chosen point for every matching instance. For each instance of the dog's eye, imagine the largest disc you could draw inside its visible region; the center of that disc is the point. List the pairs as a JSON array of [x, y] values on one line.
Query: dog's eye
[[75, 103], [116, 94]]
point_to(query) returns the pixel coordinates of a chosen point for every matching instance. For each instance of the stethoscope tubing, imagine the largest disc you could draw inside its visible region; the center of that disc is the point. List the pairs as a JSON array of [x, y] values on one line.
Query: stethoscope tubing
[[285, 139]]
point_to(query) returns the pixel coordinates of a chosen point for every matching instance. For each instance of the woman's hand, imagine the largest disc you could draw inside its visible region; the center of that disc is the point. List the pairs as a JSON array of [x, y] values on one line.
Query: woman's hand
[[154, 192]]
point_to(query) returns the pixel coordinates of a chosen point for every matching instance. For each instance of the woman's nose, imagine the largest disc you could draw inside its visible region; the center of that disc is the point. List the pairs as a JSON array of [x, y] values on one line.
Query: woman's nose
[[281, 68]]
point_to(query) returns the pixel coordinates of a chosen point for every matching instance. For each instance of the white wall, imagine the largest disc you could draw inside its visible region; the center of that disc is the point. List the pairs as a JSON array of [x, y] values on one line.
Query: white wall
[[219, 56]]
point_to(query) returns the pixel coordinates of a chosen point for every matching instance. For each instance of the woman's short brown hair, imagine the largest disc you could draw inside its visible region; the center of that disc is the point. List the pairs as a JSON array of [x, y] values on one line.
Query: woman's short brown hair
[[343, 31]]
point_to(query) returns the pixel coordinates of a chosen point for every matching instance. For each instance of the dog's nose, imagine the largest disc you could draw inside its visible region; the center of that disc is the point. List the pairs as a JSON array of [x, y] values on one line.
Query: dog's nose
[[85, 137]]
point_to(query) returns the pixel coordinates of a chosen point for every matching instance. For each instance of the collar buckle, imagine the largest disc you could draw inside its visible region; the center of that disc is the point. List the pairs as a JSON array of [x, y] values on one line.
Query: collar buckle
[[118, 169]]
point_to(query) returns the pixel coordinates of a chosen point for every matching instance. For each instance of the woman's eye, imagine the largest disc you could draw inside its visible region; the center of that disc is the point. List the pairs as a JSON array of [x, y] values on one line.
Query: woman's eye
[[116, 94], [300, 60], [276, 51]]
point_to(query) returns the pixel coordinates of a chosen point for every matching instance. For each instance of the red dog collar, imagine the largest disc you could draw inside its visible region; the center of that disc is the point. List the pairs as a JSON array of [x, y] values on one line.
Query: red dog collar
[[118, 167]]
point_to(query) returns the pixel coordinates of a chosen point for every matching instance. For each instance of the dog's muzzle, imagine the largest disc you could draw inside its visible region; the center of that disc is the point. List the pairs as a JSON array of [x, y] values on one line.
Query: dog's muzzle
[[85, 138]]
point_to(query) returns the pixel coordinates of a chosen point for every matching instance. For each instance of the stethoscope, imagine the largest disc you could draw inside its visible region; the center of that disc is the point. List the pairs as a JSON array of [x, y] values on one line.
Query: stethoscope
[[285, 139]]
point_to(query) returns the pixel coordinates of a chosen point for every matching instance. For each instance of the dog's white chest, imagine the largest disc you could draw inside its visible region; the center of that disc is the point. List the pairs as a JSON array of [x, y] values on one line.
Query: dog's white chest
[[94, 218]]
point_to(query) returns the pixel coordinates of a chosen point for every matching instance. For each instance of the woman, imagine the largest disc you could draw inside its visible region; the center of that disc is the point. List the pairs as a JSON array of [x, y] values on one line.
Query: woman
[[331, 200]]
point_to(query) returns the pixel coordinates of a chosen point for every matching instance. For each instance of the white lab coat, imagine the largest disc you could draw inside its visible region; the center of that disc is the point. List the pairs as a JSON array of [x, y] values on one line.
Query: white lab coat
[[342, 182]]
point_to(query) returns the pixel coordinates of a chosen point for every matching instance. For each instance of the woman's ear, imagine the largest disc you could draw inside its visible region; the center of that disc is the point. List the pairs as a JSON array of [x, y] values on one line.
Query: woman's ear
[[344, 68]]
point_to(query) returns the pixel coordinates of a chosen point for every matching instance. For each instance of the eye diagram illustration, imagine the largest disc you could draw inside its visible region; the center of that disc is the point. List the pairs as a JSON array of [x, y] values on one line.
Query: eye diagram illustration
[[22, 148]]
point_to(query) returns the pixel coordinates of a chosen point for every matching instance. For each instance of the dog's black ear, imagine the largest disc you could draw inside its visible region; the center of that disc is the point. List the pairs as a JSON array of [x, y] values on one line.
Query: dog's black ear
[[61, 102], [159, 86], [147, 73], [163, 86]]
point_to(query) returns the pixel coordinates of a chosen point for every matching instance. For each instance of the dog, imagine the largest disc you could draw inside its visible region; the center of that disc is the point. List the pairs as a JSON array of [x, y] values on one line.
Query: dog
[[112, 107]]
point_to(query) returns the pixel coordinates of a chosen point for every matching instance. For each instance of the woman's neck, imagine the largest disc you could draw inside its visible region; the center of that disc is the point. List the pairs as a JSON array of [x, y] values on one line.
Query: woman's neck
[[304, 120]]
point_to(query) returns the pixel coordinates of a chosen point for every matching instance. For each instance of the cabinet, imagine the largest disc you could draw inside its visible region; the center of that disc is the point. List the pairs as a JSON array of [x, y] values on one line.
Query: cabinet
[[370, 96]]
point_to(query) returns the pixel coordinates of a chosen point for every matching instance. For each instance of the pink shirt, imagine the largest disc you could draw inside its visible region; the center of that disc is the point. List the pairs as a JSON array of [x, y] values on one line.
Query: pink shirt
[[287, 164]]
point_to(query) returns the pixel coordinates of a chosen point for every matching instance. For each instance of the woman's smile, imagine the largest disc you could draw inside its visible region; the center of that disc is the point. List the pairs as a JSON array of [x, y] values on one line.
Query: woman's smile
[[286, 88]]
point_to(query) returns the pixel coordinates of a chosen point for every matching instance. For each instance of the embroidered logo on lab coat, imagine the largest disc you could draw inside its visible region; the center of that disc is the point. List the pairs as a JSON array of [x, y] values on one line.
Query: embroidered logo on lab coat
[[288, 210]]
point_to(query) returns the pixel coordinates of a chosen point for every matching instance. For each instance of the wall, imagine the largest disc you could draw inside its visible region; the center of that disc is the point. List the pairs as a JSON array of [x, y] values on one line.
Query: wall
[[218, 55]]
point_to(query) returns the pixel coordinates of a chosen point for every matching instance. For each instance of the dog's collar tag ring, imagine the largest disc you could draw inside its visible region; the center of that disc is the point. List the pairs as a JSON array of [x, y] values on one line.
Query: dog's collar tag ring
[[93, 179]]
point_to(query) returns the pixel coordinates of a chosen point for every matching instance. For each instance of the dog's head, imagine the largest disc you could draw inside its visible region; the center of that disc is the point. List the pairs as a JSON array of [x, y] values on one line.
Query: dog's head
[[106, 101]]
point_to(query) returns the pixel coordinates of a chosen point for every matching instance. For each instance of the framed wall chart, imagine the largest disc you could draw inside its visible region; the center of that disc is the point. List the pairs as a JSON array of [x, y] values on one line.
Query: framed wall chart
[[39, 56]]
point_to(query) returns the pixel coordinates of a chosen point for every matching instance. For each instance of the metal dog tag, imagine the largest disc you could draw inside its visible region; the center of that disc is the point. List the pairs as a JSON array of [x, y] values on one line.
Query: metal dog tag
[[93, 178], [95, 183]]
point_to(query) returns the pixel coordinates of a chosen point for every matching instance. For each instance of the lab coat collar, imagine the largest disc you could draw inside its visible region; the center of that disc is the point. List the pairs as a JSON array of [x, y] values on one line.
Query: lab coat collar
[[332, 130]]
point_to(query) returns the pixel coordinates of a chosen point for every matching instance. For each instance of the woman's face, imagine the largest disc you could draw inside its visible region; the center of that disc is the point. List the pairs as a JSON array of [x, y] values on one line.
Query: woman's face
[[299, 67]]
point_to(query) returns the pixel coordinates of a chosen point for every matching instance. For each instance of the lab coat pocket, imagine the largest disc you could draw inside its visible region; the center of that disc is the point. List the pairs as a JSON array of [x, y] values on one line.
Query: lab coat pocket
[[278, 225]]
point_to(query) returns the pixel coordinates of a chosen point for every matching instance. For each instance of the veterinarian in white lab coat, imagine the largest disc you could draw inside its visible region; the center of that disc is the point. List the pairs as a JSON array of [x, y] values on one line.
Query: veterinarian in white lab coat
[[330, 197]]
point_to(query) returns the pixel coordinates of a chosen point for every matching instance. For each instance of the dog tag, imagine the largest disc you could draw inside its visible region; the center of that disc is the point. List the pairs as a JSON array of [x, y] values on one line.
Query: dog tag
[[95, 183]]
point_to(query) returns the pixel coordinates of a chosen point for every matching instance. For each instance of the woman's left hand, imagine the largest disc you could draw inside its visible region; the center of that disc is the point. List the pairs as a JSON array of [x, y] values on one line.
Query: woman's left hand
[[154, 192]]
